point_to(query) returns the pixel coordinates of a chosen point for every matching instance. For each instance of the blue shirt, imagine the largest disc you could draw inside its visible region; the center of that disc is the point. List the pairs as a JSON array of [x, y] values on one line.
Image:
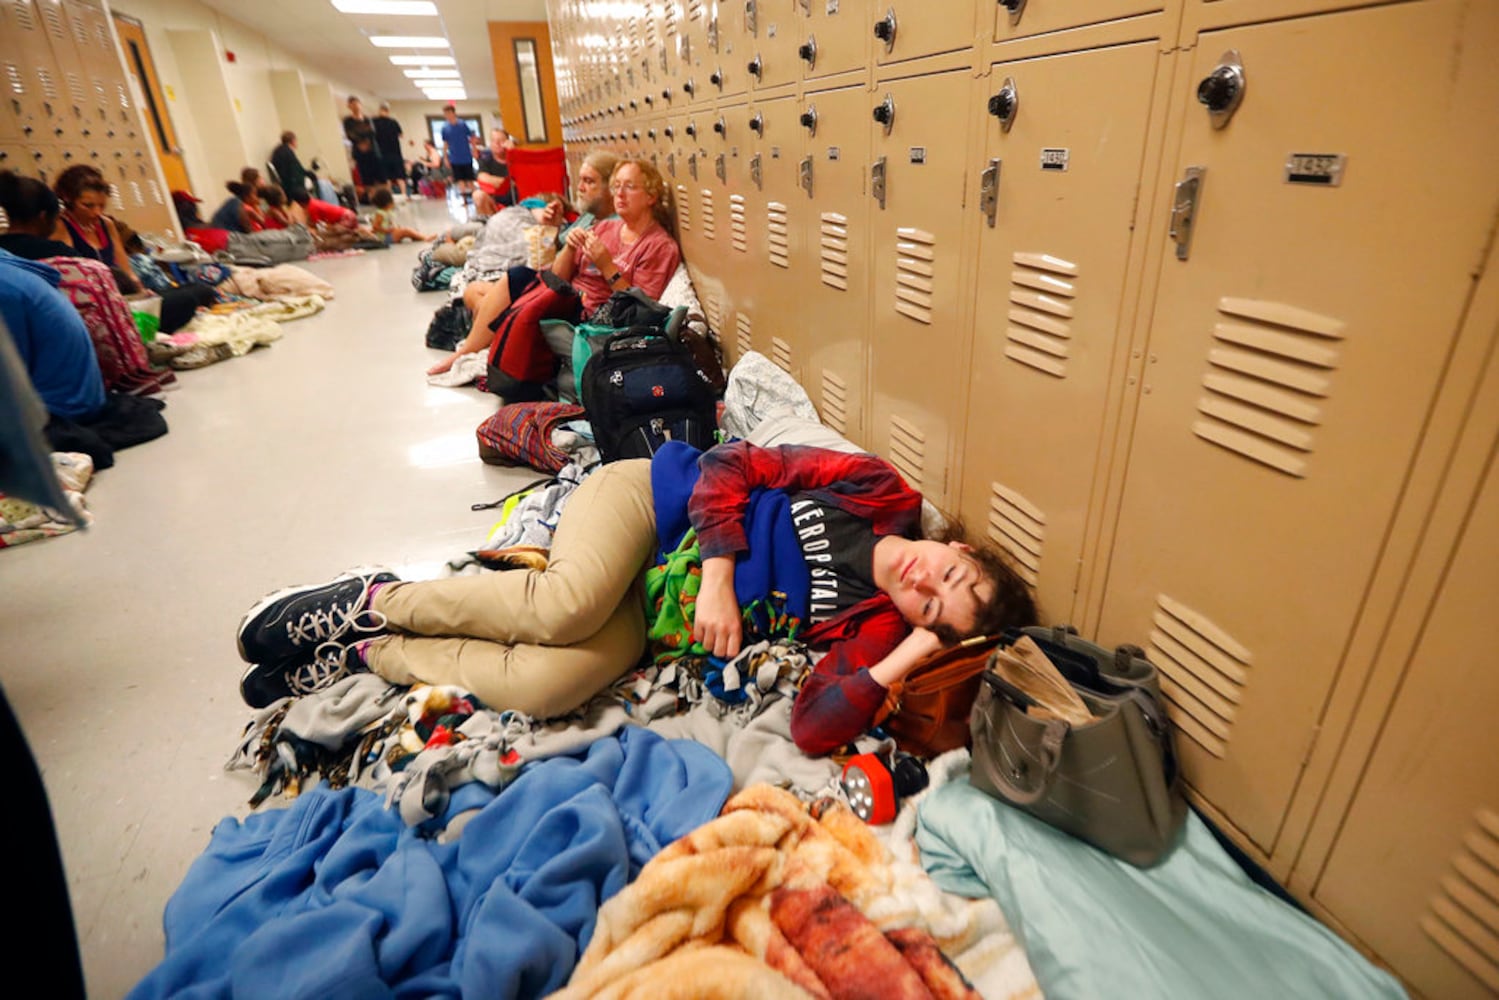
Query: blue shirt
[[50, 337], [455, 136]]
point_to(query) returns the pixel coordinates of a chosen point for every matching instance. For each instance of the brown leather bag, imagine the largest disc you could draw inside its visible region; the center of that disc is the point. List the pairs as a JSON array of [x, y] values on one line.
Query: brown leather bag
[[927, 712]]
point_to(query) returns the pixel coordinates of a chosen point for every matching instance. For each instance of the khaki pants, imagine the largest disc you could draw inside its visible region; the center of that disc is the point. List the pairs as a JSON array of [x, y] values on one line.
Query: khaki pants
[[543, 642]]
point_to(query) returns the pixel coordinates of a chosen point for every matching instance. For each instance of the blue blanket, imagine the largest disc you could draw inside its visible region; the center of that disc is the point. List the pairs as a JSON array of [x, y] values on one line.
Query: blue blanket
[[335, 897]]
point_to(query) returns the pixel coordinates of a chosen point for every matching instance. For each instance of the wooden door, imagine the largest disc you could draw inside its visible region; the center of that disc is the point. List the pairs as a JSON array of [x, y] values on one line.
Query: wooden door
[[158, 119]]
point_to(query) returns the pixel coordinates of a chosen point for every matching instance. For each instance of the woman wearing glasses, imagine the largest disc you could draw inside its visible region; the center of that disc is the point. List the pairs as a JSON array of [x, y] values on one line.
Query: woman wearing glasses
[[636, 248]]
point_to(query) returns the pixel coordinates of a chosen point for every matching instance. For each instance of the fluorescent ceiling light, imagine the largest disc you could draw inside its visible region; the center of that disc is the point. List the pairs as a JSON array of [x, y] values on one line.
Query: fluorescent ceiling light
[[431, 73], [438, 84], [424, 60], [446, 95], [409, 41], [418, 8]]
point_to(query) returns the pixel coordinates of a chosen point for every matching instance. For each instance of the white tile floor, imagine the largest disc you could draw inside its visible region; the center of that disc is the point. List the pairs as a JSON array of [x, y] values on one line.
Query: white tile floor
[[323, 451]]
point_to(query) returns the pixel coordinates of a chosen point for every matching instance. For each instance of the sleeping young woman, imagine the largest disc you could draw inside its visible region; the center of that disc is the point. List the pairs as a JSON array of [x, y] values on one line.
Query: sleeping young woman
[[545, 641]]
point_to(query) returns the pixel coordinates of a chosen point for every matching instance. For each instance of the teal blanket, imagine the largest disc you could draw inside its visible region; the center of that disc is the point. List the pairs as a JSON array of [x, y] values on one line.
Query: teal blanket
[[1193, 927]]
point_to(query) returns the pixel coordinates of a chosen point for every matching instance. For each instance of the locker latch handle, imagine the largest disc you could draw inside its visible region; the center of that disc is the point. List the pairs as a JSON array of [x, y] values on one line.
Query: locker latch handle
[[1015, 7], [755, 173], [1184, 209], [671, 164], [804, 174], [989, 191], [884, 29], [750, 21], [713, 33], [692, 165], [720, 169], [877, 181]]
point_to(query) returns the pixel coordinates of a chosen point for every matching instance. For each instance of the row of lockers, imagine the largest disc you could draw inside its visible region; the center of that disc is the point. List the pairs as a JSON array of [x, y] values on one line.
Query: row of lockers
[[67, 100], [657, 55], [1164, 317]]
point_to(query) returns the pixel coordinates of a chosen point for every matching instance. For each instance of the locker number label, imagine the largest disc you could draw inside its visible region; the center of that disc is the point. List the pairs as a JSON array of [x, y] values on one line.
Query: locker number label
[[1054, 158], [918, 154], [1325, 169], [834, 152], [832, 7]]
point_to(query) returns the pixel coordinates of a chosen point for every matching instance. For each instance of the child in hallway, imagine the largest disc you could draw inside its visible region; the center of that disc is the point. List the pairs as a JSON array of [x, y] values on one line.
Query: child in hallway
[[384, 222]]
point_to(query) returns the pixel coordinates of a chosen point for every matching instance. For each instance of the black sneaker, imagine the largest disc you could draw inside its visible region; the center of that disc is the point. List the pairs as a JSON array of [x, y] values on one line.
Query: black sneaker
[[286, 628], [262, 684]]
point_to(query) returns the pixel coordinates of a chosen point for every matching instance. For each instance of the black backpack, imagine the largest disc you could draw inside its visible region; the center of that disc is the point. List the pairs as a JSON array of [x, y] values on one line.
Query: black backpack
[[449, 326], [642, 389]]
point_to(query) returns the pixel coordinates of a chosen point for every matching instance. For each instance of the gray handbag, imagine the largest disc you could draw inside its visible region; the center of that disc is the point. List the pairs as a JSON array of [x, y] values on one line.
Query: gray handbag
[[1113, 782]]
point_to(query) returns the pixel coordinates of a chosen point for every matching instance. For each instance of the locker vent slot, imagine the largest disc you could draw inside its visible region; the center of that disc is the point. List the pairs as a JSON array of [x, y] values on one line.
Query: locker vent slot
[[745, 342], [21, 11], [14, 79], [1463, 919], [669, 17], [684, 207], [101, 32], [137, 199], [710, 311], [77, 89], [52, 15], [1019, 528], [101, 96], [1203, 671], [915, 257], [780, 353], [123, 96], [834, 401], [155, 189], [908, 451], [80, 30], [117, 197], [1268, 372], [738, 228], [1039, 333], [708, 229], [777, 229], [695, 9], [49, 89], [833, 250]]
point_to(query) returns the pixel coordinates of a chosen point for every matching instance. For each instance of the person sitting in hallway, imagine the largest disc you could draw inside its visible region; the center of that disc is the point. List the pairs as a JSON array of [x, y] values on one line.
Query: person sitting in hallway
[[288, 165], [492, 178], [636, 249], [384, 223]]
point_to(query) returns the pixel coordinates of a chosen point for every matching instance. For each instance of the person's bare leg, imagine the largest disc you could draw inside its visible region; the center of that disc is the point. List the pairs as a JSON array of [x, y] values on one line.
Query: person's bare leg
[[474, 292], [495, 301]]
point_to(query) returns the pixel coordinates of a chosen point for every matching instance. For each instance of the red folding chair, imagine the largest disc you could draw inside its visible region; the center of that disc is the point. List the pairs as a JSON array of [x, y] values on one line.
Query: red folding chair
[[537, 171]]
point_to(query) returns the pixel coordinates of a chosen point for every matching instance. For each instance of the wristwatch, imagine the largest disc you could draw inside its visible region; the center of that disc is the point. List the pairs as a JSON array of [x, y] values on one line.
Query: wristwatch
[[613, 278]]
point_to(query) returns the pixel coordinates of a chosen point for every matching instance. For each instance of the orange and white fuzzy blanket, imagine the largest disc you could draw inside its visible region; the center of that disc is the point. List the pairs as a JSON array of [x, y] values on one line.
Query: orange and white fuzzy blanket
[[768, 900]]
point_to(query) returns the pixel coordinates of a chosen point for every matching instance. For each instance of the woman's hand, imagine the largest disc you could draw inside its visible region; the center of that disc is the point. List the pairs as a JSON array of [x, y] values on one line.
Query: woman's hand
[[552, 214], [443, 365], [597, 252], [716, 621]]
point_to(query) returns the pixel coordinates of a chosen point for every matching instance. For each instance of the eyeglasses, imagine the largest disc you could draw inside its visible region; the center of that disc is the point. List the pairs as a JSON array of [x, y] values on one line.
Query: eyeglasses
[[624, 186]]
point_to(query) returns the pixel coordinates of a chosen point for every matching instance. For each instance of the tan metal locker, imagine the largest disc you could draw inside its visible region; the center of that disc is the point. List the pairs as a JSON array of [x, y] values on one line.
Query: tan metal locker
[[1293, 354], [836, 37], [1060, 173], [724, 66], [1413, 872], [833, 214], [1019, 19], [903, 29], [918, 151], [763, 256], [773, 32]]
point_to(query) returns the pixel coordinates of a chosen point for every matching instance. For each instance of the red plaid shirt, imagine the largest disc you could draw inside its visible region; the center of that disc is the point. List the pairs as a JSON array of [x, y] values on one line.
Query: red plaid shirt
[[839, 699]]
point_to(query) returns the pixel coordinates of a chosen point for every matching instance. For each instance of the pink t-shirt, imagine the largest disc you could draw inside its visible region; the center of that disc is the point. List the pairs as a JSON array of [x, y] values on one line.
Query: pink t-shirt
[[648, 263]]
